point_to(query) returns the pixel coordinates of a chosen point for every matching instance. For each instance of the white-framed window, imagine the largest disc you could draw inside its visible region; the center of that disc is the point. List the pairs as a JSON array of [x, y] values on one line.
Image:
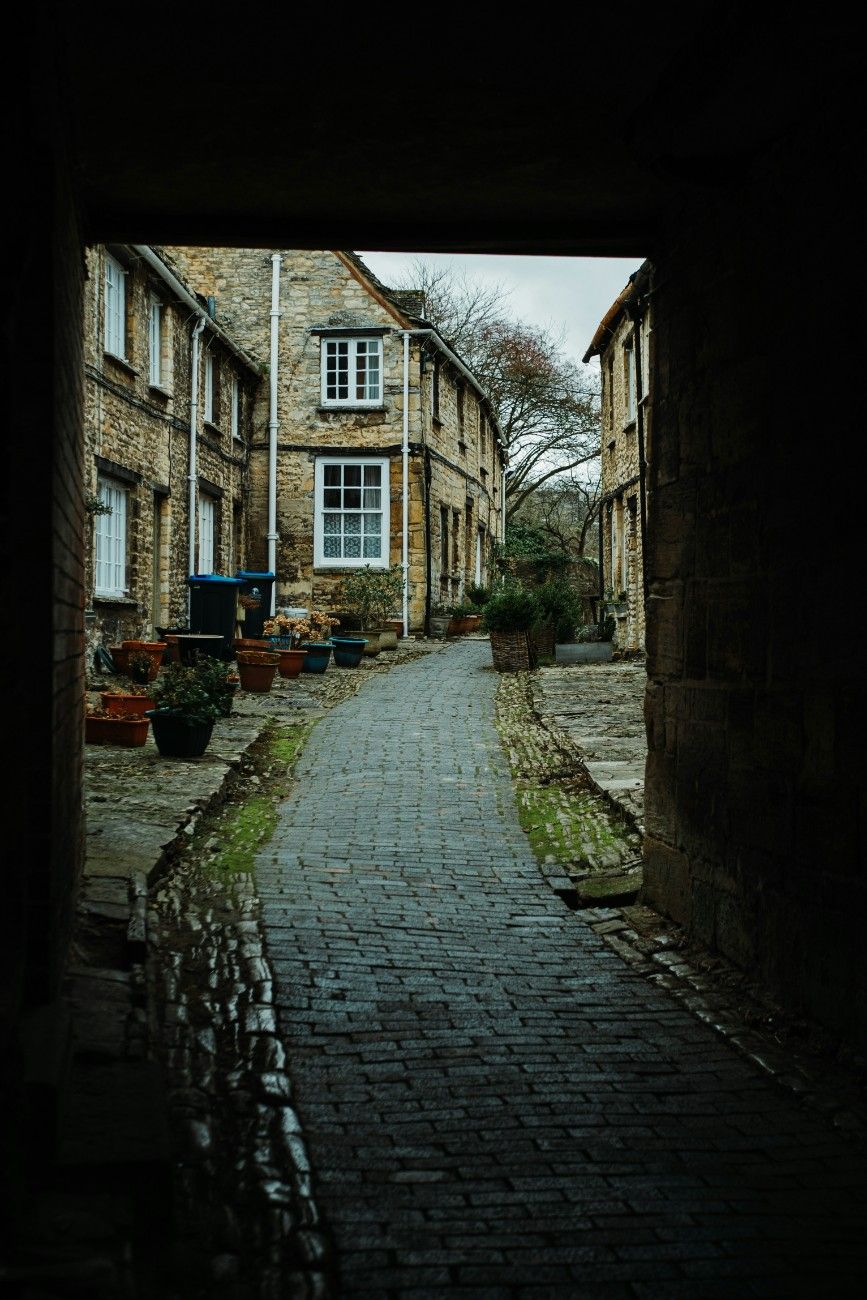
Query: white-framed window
[[155, 341], [351, 520], [207, 512], [352, 372], [629, 379], [110, 540], [208, 412], [115, 307], [235, 408]]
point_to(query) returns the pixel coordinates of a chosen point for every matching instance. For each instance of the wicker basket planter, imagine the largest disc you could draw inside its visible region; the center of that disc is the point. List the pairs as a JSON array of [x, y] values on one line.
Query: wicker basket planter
[[512, 652], [542, 640]]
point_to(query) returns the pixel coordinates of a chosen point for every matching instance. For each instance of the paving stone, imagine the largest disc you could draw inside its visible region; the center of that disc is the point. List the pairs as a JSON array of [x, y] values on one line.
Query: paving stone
[[428, 981]]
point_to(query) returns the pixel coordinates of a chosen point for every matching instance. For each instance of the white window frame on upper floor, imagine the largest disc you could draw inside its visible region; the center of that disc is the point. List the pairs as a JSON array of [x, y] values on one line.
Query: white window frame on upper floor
[[115, 308], [155, 341], [109, 544], [629, 380], [208, 403], [353, 349], [328, 502], [235, 407]]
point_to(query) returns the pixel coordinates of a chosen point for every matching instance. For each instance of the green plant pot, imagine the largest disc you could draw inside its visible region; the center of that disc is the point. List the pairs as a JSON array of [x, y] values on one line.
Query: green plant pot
[[348, 650], [176, 737], [318, 654]]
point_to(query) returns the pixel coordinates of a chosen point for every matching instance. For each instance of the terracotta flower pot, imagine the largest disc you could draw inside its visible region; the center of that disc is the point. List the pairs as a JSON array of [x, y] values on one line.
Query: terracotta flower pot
[[257, 668], [387, 638], [153, 649], [250, 643], [118, 705], [115, 731], [372, 638], [291, 662]]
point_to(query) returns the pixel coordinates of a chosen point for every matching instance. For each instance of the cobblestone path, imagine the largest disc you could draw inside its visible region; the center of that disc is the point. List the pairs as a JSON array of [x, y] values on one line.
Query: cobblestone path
[[494, 1104]]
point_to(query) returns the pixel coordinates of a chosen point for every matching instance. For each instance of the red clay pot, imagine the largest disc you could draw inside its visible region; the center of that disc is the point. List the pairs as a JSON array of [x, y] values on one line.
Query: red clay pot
[[291, 662], [119, 705], [116, 731], [256, 669]]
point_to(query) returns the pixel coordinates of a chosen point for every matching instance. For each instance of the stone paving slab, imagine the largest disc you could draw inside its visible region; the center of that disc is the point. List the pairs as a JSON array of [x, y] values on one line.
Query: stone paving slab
[[493, 1101], [599, 707]]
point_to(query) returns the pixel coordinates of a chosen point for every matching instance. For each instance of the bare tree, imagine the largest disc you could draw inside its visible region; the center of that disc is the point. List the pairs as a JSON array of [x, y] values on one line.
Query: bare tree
[[546, 405], [565, 512]]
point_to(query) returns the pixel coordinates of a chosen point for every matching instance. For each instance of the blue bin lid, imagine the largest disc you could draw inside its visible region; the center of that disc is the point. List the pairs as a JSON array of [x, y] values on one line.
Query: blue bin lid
[[244, 574], [212, 577]]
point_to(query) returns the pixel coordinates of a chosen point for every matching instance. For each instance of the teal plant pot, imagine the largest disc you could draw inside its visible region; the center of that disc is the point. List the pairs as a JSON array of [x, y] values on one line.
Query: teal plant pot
[[348, 650], [318, 654]]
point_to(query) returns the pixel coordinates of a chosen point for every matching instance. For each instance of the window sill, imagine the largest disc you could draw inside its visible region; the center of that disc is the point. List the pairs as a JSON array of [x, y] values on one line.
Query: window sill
[[127, 602], [612, 444], [210, 427], [344, 566], [122, 363], [159, 391], [349, 408], [629, 426]]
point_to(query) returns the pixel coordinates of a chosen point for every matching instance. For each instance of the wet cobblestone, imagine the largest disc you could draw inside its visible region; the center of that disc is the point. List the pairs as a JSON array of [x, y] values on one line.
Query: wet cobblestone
[[248, 1224], [495, 1102]]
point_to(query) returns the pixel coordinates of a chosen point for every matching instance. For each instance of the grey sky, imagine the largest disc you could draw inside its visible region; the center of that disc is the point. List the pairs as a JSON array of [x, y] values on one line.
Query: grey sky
[[572, 293]]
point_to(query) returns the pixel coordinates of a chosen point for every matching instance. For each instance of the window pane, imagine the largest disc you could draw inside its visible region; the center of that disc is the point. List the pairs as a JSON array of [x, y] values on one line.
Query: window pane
[[372, 498], [332, 525], [352, 548], [332, 476], [352, 498], [331, 548], [331, 498], [372, 548], [352, 524], [352, 475], [373, 524], [372, 475]]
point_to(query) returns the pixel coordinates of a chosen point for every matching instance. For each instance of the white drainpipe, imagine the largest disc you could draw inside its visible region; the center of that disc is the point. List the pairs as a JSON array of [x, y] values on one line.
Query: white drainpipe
[[273, 538], [193, 469], [405, 457], [503, 509]]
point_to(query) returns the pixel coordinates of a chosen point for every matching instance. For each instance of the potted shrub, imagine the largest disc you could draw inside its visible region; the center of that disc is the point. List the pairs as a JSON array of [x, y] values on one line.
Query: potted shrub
[[438, 623], [594, 643], [189, 698], [256, 669], [478, 596], [459, 623], [509, 616], [144, 659], [374, 594], [559, 611]]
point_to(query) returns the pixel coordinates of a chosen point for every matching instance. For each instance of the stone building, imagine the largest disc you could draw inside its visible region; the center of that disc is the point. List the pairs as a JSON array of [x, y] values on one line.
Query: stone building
[[622, 342], [755, 776], [372, 442], [163, 382]]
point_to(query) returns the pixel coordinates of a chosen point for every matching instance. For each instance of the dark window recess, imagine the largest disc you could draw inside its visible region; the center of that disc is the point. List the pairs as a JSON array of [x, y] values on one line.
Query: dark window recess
[[444, 539]]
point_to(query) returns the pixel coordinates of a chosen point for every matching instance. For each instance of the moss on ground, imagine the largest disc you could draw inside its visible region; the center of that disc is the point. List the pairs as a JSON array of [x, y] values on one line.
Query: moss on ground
[[567, 821], [230, 840]]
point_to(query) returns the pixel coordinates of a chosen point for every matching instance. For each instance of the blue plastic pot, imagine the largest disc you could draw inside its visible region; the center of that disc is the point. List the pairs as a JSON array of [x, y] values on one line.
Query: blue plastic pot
[[348, 650], [318, 654]]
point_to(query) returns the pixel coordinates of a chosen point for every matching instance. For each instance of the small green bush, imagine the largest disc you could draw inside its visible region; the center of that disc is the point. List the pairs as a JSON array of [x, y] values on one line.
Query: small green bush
[[511, 609], [560, 606], [198, 692]]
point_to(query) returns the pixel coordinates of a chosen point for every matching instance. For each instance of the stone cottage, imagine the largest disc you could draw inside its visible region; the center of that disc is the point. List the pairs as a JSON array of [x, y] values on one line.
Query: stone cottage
[[623, 344], [169, 400], [372, 442]]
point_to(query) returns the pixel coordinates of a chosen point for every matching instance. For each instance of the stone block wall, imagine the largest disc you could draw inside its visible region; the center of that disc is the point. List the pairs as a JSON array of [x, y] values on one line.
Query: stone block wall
[[755, 773], [137, 434], [622, 546], [322, 290]]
